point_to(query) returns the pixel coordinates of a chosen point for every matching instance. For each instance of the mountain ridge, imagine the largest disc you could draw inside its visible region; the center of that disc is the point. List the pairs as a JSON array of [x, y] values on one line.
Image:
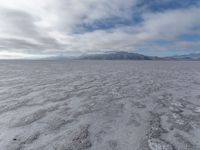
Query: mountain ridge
[[136, 56]]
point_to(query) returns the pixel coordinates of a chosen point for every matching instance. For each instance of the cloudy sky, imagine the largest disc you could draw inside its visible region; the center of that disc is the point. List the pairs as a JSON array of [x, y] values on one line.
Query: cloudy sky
[[36, 28]]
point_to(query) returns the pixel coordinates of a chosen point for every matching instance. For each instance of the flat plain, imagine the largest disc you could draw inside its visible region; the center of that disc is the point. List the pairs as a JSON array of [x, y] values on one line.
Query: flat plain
[[99, 105]]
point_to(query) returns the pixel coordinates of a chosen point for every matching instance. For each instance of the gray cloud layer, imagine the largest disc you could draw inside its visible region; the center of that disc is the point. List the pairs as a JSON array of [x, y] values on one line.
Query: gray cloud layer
[[50, 26]]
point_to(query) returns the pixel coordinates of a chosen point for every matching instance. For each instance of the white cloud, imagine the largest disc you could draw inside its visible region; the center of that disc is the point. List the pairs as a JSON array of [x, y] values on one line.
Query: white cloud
[[171, 23], [35, 26]]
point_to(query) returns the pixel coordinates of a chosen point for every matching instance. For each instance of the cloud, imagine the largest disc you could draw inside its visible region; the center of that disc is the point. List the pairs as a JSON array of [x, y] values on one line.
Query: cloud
[[172, 23], [18, 55], [155, 26], [60, 26]]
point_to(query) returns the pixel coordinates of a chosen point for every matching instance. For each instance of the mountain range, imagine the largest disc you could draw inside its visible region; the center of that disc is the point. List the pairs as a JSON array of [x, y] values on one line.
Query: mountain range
[[136, 56]]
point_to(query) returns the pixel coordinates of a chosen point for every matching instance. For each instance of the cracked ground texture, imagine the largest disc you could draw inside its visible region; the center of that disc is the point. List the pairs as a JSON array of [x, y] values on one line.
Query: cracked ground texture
[[99, 105]]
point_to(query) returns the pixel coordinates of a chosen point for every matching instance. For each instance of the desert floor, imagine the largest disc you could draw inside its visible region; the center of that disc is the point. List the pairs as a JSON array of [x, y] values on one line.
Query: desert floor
[[99, 105]]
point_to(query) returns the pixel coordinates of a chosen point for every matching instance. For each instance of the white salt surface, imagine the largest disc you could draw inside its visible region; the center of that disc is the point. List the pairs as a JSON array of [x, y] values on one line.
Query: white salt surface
[[99, 105]]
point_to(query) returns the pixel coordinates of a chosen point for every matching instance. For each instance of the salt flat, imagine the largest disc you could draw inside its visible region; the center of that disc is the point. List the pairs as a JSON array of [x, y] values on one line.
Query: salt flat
[[99, 105]]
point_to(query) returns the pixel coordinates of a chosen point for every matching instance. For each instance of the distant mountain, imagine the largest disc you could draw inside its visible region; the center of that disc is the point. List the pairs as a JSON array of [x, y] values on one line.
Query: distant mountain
[[192, 56], [124, 56], [118, 56], [136, 56]]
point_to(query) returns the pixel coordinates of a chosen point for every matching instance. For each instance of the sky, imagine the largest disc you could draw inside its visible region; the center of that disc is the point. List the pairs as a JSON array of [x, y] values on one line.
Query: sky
[[40, 28]]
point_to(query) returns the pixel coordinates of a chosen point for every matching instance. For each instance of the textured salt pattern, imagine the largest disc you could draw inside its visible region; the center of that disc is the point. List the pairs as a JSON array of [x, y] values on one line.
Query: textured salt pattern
[[99, 105]]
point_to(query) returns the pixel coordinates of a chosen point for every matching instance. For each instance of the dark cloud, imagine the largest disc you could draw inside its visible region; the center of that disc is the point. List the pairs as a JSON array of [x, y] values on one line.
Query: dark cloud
[[28, 46], [27, 36], [18, 22]]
